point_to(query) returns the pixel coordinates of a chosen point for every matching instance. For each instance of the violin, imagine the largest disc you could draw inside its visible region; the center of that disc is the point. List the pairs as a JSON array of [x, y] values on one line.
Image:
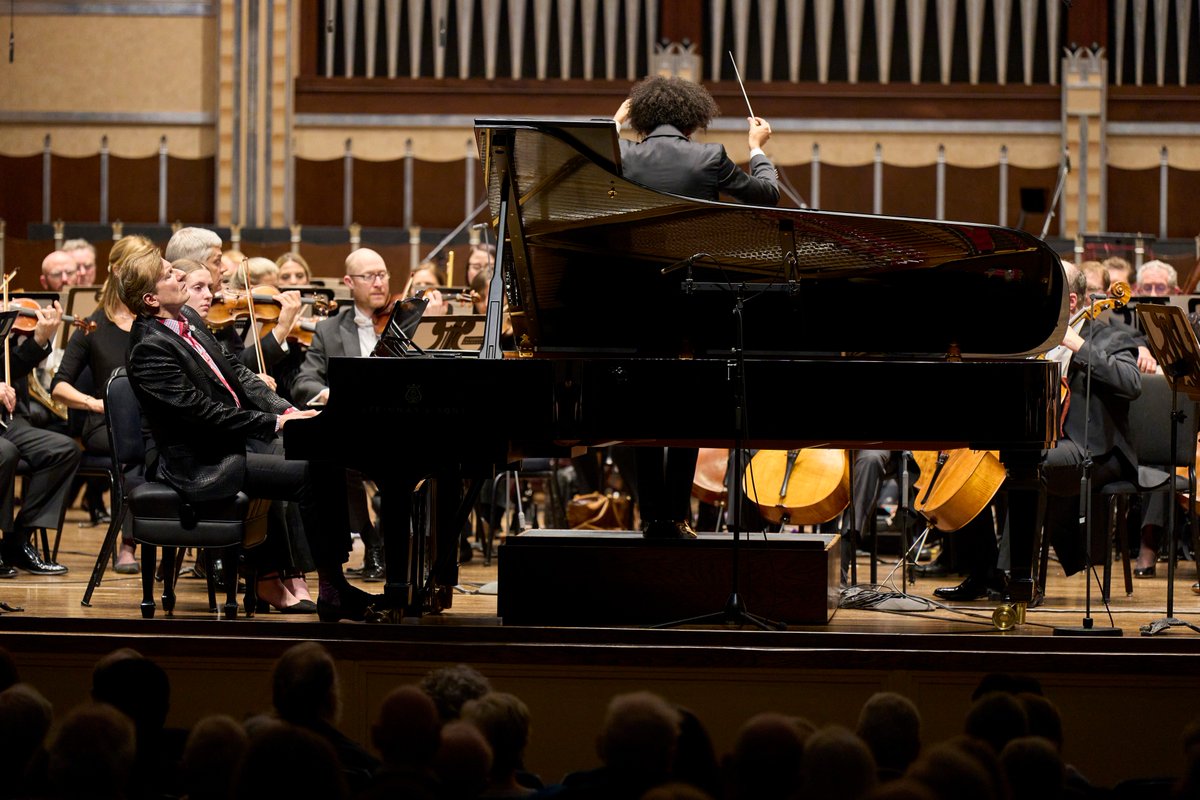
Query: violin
[[302, 332], [26, 321], [232, 305], [955, 485], [799, 487]]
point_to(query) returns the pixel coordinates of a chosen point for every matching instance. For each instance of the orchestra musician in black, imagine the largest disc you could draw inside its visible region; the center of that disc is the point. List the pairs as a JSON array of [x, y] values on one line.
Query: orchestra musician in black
[[665, 113]]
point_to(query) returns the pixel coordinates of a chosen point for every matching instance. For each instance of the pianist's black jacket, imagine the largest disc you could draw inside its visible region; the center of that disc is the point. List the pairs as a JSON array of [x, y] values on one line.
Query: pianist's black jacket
[[668, 161], [199, 432]]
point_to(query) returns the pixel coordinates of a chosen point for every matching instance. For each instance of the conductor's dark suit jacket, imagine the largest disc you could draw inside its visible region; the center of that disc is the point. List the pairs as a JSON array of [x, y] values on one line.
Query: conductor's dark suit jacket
[[668, 161], [200, 434]]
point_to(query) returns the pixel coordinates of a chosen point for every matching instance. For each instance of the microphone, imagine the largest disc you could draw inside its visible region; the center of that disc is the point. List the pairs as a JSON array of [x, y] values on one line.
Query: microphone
[[480, 226], [678, 265], [1066, 159], [1098, 296]]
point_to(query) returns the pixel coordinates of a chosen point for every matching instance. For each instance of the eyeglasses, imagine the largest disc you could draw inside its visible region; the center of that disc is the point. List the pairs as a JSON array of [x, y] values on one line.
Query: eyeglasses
[[372, 277], [61, 275], [1156, 288]]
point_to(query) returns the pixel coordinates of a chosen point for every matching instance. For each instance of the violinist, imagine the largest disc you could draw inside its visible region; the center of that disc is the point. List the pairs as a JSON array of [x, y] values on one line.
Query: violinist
[[99, 353], [428, 280], [482, 257], [197, 244], [1116, 381], [274, 343], [293, 270], [52, 457]]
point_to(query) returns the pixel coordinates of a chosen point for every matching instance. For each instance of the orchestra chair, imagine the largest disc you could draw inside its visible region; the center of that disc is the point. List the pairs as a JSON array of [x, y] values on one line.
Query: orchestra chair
[[529, 469], [1151, 429], [161, 517]]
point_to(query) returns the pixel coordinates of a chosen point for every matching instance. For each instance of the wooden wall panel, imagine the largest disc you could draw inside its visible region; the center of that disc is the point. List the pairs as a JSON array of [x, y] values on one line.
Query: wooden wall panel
[[20, 193], [1183, 188], [74, 189], [909, 191], [190, 189], [319, 192], [973, 195], [1132, 200], [438, 192], [378, 194], [846, 188], [133, 196]]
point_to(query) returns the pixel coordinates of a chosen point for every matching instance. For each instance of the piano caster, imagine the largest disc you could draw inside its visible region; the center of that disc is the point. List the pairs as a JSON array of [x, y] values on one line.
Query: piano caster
[[1008, 616]]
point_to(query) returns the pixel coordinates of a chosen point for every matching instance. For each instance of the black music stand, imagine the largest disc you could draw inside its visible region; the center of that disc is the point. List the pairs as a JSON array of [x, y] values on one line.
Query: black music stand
[[734, 612], [1173, 342]]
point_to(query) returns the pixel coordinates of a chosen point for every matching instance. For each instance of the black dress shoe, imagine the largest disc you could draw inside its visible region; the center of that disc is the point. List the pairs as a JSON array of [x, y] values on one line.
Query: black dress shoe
[[373, 566], [6, 571], [27, 559], [669, 529], [973, 587], [352, 604], [1144, 572], [934, 569]]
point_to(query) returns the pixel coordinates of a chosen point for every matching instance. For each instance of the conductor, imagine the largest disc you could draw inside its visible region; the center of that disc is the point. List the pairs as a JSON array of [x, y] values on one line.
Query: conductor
[[665, 113]]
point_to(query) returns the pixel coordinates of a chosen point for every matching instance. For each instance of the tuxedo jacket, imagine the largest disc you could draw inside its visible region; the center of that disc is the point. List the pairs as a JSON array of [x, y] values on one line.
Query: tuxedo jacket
[[199, 431], [668, 161], [24, 355], [1112, 355], [335, 337]]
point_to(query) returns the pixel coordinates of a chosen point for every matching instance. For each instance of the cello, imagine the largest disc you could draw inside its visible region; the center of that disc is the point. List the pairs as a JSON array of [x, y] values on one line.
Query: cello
[[955, 485], [799, 487]]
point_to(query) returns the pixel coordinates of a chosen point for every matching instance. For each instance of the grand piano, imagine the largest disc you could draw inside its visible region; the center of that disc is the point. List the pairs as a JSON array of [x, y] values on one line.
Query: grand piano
[[851, 331]]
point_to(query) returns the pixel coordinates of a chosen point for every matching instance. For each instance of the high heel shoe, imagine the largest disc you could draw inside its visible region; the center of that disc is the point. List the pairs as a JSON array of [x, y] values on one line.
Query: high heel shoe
[[299, 607], [1144, 572]]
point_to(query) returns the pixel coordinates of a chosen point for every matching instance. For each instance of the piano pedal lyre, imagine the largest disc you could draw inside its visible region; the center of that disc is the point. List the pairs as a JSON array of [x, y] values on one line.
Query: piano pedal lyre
[[1007, 616]]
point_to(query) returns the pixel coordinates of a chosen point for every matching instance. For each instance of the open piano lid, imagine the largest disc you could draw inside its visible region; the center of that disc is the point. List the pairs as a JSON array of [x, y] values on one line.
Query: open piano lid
[[586, 248]]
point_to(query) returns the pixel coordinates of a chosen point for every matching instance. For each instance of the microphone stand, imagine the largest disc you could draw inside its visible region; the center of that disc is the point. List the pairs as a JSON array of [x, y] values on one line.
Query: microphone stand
[[1058, 190], [1087, 627], [734, 612]]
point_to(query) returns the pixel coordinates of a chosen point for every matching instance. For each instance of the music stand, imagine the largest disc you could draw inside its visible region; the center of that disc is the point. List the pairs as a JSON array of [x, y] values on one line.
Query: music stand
[[1172, 340]]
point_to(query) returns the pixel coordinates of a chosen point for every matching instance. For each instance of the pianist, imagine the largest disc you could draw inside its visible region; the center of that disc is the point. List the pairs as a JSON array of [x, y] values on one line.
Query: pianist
[[665, 112], [202, 407]]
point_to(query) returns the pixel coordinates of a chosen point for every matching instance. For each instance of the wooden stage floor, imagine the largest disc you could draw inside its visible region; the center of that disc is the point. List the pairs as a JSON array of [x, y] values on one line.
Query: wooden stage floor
[[1102, 685]]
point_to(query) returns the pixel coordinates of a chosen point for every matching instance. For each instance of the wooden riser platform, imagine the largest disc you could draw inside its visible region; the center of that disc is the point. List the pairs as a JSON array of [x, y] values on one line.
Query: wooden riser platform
[[789, 578]]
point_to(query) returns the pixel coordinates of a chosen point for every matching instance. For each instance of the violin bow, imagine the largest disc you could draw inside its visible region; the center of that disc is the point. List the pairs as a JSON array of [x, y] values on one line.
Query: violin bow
[[245, 270], [7, 367]]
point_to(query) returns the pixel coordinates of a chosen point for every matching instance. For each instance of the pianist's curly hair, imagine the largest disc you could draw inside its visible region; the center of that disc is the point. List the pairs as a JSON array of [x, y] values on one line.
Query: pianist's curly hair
[[659, 101]]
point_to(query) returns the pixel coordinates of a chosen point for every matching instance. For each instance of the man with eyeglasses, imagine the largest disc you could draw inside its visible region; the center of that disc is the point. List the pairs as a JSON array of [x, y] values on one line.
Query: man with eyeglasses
[[85, 260], [1157, 279], [58, 271], [349, 333]]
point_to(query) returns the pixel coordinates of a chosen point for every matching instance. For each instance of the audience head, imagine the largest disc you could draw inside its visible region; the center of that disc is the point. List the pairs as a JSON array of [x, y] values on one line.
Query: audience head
[[503, 719], [1044, 719], [901, 789], [263, 272], [1118, 269], [1033, 768], [197, 244], [836, 766], [367, 276], [767, 757], [676, 790], [463, 763], [450, 687], [25, 717], [293, 270], [58, 270], [287, 761], [683, 104], [408, 731], [199, 281], [84, 254], [695, 758], [305, 685], [639, 737], [135, 686], [211, 756], [92, 755], [890, 725], [953, 773], [480, 261], [1157, 279], [996, 719]]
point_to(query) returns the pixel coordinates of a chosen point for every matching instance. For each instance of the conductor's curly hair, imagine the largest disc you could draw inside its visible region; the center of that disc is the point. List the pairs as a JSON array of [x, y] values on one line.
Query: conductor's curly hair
[[679, 102]]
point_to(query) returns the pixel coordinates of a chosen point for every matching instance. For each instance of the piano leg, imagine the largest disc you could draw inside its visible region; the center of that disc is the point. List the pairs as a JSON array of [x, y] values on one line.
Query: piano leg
[[395, 523], [1026, 506]]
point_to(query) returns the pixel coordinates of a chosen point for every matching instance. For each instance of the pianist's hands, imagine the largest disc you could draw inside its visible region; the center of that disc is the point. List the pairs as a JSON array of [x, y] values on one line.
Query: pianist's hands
[[760, 132]]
